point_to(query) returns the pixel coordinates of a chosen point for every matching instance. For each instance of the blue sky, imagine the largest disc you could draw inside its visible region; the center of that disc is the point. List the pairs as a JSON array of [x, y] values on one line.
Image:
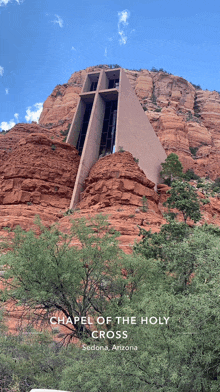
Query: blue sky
[[42, 42]]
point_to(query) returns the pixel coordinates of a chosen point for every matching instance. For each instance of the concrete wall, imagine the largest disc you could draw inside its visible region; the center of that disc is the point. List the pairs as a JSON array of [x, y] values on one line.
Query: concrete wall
[[91, 146], [135, 134], [75, 127]]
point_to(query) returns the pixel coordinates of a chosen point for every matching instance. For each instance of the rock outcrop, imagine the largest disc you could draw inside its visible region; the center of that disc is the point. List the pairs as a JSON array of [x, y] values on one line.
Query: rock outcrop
[[117, 179], [9, 139], [39, 171]]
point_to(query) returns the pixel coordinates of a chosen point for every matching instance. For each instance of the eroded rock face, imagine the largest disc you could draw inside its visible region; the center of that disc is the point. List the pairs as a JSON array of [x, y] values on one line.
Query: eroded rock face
[[117, 179], [38, 171], [9, 139]]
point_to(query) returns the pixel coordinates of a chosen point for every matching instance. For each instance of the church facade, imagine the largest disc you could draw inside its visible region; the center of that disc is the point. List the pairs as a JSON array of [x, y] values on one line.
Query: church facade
[[110, 118]]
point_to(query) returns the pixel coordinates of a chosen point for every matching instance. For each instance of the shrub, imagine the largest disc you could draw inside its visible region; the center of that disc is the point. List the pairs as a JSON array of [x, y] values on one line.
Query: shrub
[[216, 189], [154, 99], [190, 175], [65, 133], [172, 168], [193, 150], [190, 116], [205, 201], [216, 185], [53, 147], [144, 207], [185, 199], [68, 212], [196, 86]]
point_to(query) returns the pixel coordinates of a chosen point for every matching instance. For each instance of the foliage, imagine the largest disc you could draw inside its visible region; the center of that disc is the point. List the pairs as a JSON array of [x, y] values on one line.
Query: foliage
[[153, 69], [70, 211], [136, 160], [29, 361], [144, 207], [216, 185], [189, 116], [185, 199], [173, 273], [65, 133], [154, 98], [53, 147], [183, 356], [193, 150], [197, 86], [48, 275], [205, 201], [113, 66], [172, 168], [121, 149], [190, 175]]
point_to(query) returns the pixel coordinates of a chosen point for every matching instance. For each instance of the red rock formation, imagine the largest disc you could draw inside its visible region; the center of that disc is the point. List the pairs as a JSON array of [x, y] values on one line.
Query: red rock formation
[[117, 179], [9, 139], [39, 171]]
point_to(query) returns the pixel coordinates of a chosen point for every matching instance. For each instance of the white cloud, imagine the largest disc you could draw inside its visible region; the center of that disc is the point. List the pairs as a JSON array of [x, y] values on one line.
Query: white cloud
[[106, 52], [122, 23], [58, 20], [1, 71], [6, 91], [123, 17], [73, 48], [34, 112], [5, 126], [5, 2]]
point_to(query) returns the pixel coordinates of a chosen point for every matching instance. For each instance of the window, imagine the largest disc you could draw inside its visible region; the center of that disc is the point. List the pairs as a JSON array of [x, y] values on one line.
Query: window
[[109, 129], [113, 83], [93, 86], [82, 134]]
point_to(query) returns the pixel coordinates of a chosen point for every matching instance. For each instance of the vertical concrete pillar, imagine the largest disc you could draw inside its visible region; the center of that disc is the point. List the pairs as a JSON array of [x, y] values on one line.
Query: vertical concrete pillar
[[76, 125], [91, 146]]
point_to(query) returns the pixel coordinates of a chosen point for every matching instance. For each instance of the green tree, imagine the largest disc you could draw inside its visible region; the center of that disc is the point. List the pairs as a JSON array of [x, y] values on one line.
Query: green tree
[[29, 361], [47, 274], [182, 356], [185, 199], [172, 168], [174, 273]]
